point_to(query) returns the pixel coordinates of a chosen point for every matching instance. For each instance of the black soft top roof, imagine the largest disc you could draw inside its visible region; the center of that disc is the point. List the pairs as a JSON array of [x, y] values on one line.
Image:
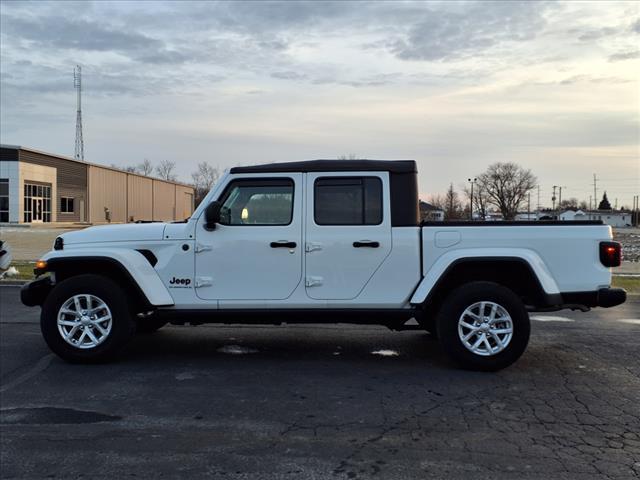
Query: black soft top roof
[[393, 166]]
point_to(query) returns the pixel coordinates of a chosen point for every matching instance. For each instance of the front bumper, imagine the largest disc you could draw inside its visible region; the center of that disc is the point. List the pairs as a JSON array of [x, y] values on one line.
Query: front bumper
[[605, 297], [35, 292]]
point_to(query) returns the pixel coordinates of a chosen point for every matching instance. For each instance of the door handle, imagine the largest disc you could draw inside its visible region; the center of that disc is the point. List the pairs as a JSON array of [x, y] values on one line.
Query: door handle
[[366, 243], [283, 244]]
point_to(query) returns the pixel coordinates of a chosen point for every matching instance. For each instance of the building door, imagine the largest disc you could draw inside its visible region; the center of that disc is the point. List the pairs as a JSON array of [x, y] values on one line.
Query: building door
[[36, 209], [81, 207]]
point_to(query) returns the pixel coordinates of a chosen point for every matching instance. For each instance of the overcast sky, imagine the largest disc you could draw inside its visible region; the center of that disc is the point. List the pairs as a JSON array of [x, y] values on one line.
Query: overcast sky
[[453, 85]]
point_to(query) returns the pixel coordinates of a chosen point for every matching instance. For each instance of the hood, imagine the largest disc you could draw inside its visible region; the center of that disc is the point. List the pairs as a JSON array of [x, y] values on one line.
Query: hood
[[116, 233]]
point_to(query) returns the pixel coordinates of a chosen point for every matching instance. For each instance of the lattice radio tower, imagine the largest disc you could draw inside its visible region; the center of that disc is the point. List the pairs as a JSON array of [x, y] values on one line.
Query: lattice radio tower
[[77, 84]]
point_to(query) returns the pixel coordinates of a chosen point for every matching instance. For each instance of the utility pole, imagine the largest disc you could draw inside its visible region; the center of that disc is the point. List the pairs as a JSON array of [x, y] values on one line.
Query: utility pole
[[529, 206], [560, 198], [77, 84], [538, 209], [471, 181], [595, 192], [553, 198]]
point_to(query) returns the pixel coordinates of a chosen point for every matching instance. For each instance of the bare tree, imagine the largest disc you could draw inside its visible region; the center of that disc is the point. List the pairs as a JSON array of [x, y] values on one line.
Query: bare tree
[[506, 186], [480, 200], [146, 168], [166, 170], [131, 169], [452, 205], [437, 201], [583, 205], [350, 156], [203, 179]]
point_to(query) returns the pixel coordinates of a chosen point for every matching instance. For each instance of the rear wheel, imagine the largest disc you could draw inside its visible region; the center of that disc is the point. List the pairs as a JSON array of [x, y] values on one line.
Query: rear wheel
[[483, 326], [86, 319]]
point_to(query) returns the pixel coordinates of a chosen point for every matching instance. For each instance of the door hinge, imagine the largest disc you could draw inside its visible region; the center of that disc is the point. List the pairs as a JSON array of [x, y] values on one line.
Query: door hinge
[[312, 246], [201, 248], [203, 282], [313, 281]]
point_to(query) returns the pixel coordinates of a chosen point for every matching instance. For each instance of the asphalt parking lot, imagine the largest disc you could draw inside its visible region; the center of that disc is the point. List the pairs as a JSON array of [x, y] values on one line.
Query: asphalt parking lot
[[314, 402]]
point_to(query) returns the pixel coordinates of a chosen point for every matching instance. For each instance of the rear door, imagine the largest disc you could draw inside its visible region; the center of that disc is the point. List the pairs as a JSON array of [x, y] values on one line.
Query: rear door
[[348, 232]]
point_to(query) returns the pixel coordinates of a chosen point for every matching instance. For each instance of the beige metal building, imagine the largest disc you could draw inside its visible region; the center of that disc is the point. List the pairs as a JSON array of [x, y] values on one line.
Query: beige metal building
[[39, 187]]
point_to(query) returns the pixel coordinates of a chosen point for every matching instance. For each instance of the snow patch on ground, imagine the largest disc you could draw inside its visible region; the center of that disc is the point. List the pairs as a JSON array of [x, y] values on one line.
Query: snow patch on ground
[[634, 321], [11, 272], [236, 350], [550, 318], [385, 353]]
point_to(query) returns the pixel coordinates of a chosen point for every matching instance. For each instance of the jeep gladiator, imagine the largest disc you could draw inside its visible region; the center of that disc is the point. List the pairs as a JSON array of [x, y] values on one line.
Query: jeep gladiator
[[321, 241]]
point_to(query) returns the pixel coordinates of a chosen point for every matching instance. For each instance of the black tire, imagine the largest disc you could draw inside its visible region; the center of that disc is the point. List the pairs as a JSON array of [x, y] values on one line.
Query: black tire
[[455, 305], [122, 326], [149, 325]]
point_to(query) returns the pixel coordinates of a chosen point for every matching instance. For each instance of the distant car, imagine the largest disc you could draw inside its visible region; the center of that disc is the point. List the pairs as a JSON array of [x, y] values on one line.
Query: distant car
[[323, 241], [5, 256]]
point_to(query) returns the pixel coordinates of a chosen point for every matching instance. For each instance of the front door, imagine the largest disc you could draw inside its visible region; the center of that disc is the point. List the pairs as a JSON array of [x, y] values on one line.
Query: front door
[[36, 209], [255, 253], [348, 230]]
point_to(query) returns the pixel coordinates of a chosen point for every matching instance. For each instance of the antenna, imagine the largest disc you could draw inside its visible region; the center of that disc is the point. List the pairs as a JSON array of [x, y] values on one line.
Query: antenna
[[77, 84]]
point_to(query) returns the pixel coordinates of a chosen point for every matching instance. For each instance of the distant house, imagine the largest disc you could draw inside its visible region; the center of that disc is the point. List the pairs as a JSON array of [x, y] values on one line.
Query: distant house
[[526, 216], [430, 213], [571, 215], [609, 217]]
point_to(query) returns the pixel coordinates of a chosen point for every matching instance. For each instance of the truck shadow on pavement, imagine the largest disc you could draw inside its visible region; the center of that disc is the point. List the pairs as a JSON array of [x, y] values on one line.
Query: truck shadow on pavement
[[290, 343]]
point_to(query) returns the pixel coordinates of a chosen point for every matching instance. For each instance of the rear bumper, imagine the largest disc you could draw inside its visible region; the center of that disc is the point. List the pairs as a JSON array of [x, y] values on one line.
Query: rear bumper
[[605, 297], [34, 293]]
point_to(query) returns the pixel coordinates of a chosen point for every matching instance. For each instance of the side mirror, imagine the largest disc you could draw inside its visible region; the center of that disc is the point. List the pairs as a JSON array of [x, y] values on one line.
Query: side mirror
[[212, 215]]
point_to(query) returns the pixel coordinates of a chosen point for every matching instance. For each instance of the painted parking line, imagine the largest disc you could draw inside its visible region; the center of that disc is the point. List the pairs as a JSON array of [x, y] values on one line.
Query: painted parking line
[[385, 353], [550, 318], [634, 321]]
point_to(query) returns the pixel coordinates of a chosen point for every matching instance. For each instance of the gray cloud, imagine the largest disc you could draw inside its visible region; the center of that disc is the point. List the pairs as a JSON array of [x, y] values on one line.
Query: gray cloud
[[630, 55], [597, 33], [447, 35], [61, 32], [288, 75]]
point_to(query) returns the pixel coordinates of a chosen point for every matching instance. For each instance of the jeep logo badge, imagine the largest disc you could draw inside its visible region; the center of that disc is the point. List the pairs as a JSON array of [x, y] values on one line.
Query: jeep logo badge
[[180, 281]]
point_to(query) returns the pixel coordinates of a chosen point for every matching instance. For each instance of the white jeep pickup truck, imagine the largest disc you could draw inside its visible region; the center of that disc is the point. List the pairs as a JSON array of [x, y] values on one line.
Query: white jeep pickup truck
[[321, 241]]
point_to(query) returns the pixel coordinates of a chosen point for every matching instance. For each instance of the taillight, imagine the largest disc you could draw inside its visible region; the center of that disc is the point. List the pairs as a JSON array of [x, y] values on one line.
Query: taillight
[[610, 254]]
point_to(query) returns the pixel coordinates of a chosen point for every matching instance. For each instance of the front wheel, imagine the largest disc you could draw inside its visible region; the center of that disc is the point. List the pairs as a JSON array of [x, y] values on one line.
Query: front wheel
[[86, 319], [483, 326]]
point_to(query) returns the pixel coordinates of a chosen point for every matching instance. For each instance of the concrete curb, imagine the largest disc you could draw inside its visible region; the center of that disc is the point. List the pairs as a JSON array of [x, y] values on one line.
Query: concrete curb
[[13, 283]]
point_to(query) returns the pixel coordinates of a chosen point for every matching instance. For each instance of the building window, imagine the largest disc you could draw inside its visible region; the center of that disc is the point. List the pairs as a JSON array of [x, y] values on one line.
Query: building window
[[4, 200], [66, 205], [348, 201], [37, 203]]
